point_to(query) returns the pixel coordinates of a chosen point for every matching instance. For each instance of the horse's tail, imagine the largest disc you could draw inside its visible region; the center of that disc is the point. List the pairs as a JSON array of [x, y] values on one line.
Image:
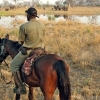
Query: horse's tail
[[63, 80]]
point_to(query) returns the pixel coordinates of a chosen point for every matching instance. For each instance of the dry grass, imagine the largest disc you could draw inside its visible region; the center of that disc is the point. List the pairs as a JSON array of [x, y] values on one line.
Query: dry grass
[[84, 11], [48, 10], [79, 45]]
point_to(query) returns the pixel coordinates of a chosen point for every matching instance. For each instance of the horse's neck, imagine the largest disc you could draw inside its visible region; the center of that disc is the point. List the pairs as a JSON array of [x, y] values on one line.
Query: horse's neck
[[12, 50], [13, 54]]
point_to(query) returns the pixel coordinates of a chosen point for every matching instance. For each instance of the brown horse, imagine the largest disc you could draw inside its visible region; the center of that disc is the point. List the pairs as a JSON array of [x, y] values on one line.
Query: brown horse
[[49, 72]]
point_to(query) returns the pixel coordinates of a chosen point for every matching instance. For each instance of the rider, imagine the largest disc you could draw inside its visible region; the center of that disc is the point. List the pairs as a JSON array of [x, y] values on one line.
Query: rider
[[30, 36]]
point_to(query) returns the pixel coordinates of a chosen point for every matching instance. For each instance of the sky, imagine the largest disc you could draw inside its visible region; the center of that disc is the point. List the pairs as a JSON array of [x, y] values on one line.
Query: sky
[[50, 1], [44, 1]]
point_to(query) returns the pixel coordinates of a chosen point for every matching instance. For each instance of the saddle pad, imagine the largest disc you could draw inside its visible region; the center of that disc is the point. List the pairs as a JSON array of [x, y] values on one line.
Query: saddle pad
[[35, 53], [26, 68]]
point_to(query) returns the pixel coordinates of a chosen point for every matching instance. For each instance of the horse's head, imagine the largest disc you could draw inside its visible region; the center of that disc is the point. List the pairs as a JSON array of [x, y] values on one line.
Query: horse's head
[[3, 49]]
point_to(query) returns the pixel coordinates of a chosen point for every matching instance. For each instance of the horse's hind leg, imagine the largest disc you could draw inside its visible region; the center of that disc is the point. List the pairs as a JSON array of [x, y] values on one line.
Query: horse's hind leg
[[48, 86], [47, 92]]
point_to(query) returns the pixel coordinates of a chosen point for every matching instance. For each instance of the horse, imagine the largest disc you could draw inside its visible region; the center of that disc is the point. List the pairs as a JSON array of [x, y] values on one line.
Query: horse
[[49, 72]]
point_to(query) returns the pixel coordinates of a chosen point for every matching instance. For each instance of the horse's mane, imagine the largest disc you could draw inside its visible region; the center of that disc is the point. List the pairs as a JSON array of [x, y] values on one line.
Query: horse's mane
[[14, 44]]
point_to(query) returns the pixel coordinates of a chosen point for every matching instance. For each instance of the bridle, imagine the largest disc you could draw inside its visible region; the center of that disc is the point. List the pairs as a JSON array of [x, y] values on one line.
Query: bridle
[[2, 53]]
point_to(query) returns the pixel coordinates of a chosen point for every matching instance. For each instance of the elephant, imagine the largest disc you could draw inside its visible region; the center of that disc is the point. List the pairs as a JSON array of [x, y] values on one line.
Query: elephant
[[12, 7], [61, 7], [65, 8]]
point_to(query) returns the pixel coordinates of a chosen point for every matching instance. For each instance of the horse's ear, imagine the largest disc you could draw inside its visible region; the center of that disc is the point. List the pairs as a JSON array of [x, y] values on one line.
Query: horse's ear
[[7, 36]]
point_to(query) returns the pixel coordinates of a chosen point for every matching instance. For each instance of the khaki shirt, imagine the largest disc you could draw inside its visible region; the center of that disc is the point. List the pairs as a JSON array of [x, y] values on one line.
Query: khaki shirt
[[32, 33]]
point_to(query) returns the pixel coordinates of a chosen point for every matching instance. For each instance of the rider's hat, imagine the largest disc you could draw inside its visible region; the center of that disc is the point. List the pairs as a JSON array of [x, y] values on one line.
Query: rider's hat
[[32, 11]]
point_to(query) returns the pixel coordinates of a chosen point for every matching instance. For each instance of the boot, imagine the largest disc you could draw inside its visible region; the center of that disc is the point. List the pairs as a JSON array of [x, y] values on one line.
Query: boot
[[20, 89]]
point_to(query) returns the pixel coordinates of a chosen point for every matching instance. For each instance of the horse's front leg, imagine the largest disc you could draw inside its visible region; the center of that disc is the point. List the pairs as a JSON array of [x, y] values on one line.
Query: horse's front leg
[[30, 95], [17, 97]]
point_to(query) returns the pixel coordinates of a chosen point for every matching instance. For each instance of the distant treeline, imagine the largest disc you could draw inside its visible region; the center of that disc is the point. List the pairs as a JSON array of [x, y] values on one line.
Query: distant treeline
[[39, 3]]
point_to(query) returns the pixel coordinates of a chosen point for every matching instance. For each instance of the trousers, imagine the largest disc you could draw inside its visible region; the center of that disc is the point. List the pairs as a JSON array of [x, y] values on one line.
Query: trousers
[[18, 61]]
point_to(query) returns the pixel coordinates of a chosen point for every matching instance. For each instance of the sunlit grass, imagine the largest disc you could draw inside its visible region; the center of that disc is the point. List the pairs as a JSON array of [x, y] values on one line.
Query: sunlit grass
[[79, 45], [70, 40], [48, 10]]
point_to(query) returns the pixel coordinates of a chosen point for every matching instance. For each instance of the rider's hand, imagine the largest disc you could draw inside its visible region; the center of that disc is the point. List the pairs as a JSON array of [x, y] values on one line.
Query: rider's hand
[[23, 50]]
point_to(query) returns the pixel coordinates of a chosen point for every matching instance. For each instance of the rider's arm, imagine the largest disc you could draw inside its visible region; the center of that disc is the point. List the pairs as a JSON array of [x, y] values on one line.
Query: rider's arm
[[21, 36], [21, 42]]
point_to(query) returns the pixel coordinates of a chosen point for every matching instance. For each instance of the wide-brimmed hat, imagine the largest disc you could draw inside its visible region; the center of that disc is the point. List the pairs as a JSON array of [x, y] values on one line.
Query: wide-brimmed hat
[[32, 11]]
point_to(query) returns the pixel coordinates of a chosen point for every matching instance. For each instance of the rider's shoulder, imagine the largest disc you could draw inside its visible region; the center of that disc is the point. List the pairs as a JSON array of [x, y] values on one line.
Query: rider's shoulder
[[25, 24]]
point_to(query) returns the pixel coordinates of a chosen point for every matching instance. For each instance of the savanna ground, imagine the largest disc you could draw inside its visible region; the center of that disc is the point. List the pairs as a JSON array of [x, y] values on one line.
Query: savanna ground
[[79, 45]]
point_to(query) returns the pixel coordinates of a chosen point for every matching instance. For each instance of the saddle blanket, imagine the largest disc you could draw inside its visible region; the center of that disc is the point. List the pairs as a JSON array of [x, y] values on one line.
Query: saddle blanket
[[27, 66], [35, 53]]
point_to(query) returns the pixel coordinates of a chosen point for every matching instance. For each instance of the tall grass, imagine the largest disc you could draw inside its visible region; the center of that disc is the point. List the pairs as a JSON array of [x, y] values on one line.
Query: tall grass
[[79, 45], [76, 42]]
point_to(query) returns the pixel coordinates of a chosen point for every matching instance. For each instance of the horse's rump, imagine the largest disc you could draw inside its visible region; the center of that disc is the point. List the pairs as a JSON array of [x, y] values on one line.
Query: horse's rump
[[47, 61]]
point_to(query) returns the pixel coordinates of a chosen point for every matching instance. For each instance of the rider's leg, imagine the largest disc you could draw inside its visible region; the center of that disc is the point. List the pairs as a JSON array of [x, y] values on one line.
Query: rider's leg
[[21, 87], [15, 65]]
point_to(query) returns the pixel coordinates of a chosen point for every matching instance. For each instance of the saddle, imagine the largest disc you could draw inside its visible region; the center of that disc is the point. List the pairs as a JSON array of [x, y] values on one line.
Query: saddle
[[33, 56]]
